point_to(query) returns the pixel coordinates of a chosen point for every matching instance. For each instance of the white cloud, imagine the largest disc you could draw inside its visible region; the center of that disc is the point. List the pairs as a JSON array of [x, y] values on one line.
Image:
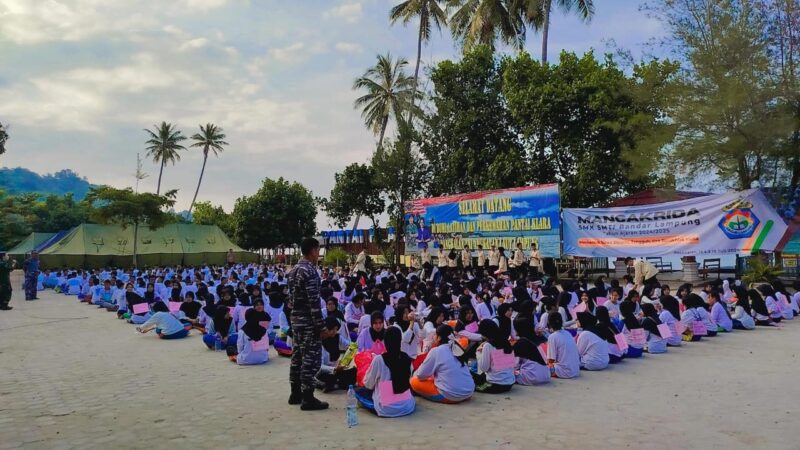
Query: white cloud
[[294, 53], [192, 44], [350, 12], [348, 47]]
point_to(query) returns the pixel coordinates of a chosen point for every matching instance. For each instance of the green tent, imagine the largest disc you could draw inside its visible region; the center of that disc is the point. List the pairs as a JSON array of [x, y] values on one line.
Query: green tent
[[93, 246], [27, 245]]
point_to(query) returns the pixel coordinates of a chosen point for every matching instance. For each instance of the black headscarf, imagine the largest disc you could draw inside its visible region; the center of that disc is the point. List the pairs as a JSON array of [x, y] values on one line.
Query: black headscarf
[[525, 348], [252, 328], [742, 298], [671, 304], [525, 329], [132, 298], [503, 322], [222, 323], [605, 328], [175, 294], [489, 330], [376, 335], [462, 323], [210, 307], [191, 309], [628, 310], [588, 323], [399, 312], [335, 313], [757, 303], [398, 363], [650, 321]]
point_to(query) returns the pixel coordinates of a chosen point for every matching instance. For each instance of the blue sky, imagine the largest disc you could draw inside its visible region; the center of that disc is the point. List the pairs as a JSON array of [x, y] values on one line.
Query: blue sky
[[80, 79]]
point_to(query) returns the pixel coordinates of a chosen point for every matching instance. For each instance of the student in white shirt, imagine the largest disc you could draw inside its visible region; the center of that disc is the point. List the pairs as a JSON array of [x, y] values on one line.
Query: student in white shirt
[[650, 322], [774, 308], [592, 348], [354, 311], [719, 313], [562, 353], [442, 377], [670, 315], [388, 375], [531, 366], [496, 361], [432, 321], [741, 317], [411, 334]]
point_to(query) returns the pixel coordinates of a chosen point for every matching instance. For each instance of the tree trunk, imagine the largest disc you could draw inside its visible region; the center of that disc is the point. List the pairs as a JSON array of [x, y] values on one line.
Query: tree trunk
[[383, 130], [205, 158], [135, 242], [158, 189], [546, 28], [416, 72]]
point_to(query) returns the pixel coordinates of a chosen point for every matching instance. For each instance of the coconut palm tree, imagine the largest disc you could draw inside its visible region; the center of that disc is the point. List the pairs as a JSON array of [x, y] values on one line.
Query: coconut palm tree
[[429, 13], [486, 21], [163, 146], [390, 91], [585, 10], [3, 138], [210, 138]]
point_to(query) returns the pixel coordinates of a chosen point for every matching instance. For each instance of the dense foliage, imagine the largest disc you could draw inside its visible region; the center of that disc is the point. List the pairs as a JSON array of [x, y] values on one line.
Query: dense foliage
[[21, 181]]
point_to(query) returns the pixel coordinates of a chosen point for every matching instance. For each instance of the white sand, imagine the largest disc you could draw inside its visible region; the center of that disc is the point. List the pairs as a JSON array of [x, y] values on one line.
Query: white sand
[[73, 376]]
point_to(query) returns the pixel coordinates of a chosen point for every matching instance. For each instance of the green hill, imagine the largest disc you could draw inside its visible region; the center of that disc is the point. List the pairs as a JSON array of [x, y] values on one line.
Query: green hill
[[20, 180]]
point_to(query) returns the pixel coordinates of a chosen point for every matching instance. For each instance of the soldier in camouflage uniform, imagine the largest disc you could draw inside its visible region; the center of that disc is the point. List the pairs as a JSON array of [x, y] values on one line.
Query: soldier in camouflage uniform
[[307, 328]]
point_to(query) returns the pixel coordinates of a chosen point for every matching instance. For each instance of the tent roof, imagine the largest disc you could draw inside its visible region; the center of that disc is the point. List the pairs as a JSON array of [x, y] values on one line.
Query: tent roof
[[652, 196], [30, 243], [92, 239]]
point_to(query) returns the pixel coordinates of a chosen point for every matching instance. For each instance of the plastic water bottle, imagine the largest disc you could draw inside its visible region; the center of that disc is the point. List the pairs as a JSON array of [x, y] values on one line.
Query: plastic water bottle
[[352, 418], [218, 343]]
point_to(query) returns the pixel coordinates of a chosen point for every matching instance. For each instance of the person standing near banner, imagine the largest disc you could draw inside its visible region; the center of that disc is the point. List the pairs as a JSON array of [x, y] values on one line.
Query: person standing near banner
[[31, 268], [644, 272], [5, 282], [535, 261], [425, 255], [518, 262], [494, 259], [481, 261], [360, 267], [466, 258]]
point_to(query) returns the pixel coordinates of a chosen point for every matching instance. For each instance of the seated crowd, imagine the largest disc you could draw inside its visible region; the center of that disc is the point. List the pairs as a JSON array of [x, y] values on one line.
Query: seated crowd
[[442, 337]]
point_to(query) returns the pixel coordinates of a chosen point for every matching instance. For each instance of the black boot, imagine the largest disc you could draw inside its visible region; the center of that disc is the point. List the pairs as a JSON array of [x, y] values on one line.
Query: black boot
[[296, 397], [310, 403]]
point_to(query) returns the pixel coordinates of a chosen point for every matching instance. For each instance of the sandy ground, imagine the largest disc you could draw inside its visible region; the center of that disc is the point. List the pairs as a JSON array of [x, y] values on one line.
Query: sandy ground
[[72, 376]]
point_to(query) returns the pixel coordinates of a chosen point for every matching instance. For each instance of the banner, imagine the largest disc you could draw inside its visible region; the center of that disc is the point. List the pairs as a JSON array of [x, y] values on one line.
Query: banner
[[528, 215], [725, 224]]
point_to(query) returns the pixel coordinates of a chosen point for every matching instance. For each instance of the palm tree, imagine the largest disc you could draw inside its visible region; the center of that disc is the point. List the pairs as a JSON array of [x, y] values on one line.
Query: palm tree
[[210, 138], [544, 8], [3, 138], [163, 146], [389, 91], [486, 21], [429, 12]]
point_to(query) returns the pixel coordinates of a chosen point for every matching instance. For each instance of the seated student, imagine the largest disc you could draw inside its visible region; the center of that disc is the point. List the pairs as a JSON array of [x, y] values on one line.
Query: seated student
[[741, 318], [432, 321], [486, 308], [165, 324], [692, 305], [564, 300], [702, 311], [388, 390], [796, 297], [407, 322], [442, 377], [466, 330], [191, 309], [496, 361], [789, 308], [531, 368], [774, 308], [503, 320], [375, 333], [133, 299], [650, 322], [549, 307], [629, 323], [73, 284], [104, 296], [353, 312], [220, 332], [592, 348], [669, 315], [332, 375], [608, 331], [119, 304], [719, 313], [759, 309], [252, 343], [562, 353], [332, 310]]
